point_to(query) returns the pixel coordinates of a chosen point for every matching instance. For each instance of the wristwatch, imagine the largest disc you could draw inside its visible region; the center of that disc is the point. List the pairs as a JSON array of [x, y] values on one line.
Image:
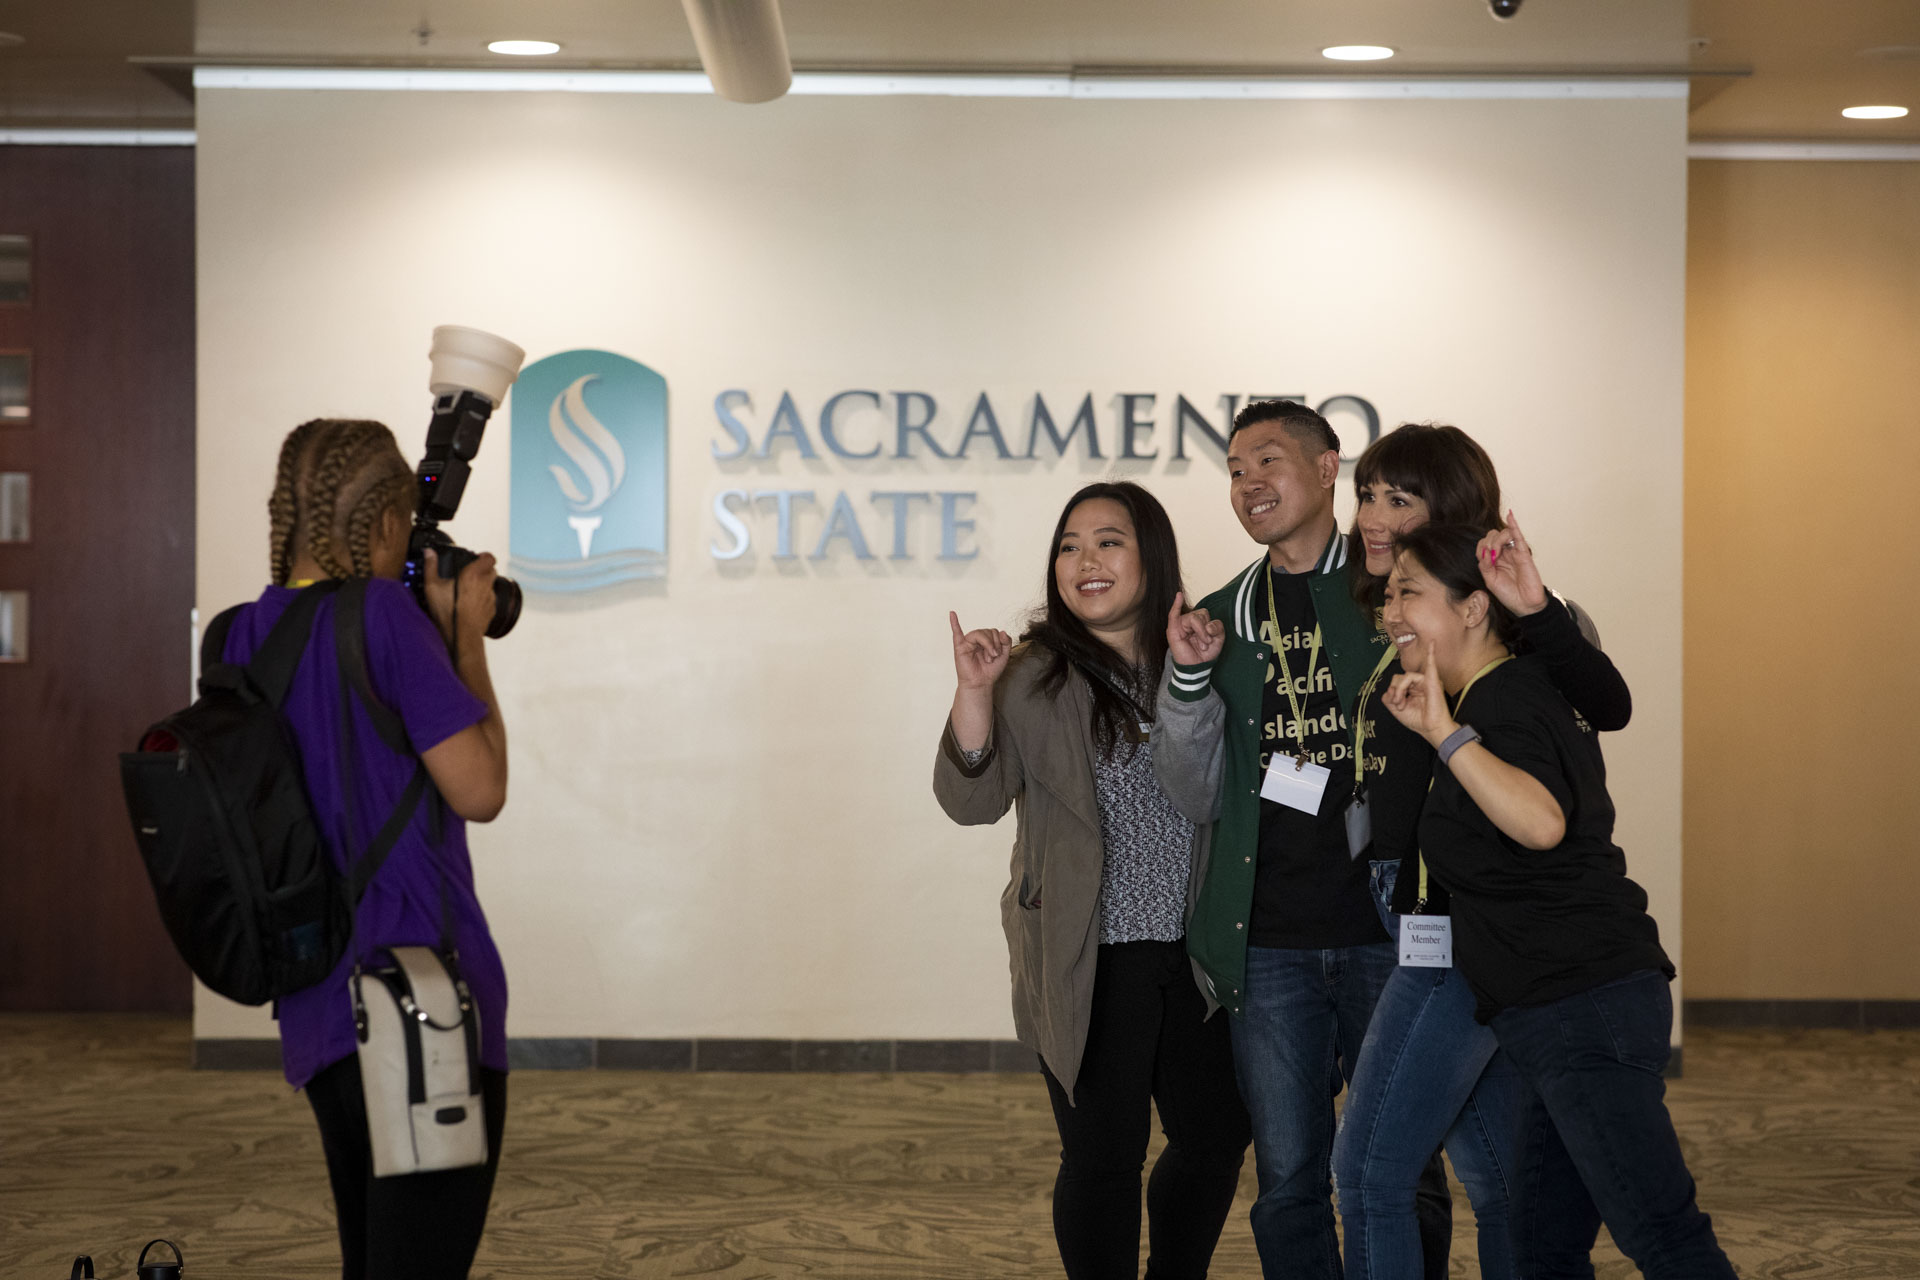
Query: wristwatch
[[1457, 739]]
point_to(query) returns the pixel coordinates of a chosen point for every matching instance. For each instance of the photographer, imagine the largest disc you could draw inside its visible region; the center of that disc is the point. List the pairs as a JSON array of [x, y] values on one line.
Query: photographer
[[341, 508]]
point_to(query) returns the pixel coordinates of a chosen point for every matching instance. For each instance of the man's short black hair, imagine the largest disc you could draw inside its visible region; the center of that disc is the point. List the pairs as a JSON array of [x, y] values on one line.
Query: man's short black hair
[[1303, 424]]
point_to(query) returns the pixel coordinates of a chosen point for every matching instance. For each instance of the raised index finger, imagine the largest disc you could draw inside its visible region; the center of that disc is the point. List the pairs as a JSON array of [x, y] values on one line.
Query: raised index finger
[[1519, 538], [954, 618]]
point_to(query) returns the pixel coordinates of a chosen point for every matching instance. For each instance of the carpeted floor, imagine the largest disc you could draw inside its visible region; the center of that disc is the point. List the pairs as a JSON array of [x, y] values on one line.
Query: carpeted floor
[[1806, 1146]]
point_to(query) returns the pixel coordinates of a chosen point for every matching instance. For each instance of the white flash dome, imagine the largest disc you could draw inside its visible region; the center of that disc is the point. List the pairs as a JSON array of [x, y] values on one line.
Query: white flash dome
[[472, 360]]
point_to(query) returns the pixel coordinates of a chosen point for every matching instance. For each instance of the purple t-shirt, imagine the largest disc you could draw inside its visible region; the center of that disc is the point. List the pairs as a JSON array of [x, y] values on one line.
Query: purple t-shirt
[[413, 676]]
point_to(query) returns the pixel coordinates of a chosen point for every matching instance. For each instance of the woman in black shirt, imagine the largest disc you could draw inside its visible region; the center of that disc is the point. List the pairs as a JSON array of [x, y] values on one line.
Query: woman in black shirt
[[1428, 1074], [1555, 940]]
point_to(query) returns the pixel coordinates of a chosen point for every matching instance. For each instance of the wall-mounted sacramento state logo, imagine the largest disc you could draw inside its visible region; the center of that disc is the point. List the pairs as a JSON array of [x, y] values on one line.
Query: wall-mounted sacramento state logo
[[589, 506]]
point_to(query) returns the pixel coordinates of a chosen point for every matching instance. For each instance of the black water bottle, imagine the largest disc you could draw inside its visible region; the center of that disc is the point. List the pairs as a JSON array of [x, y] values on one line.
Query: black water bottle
[[144, 1270]]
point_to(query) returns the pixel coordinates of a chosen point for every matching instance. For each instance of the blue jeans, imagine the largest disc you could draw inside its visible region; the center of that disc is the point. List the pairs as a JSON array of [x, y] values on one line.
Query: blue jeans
[[1598, 1144], [1305, 1017], [1429, 1074]]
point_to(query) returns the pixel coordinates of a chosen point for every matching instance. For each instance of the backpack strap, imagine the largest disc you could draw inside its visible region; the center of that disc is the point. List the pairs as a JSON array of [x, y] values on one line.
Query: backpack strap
[[350, 643], [270, 672], [213, 645], [369, 863], [350, 651]]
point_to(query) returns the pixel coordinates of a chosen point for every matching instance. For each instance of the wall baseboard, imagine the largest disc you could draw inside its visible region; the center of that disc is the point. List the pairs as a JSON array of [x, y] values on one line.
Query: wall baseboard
[[1856, 1015], [583, 1053]]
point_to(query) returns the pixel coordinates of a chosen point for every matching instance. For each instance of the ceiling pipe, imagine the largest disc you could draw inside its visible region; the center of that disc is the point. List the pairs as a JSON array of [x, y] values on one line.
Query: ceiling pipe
[[743, 46]]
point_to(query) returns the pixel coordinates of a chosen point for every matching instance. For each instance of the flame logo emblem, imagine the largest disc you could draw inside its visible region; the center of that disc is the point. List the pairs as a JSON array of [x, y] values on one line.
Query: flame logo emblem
[[589, 472], [593, 450]]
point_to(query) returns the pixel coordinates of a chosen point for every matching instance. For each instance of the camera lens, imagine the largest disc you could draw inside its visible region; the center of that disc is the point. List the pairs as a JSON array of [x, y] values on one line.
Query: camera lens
[[506, 607]]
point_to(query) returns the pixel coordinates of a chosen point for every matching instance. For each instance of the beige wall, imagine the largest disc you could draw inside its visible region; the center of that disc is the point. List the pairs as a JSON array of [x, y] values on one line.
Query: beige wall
[[721, 822], [1803, 559]]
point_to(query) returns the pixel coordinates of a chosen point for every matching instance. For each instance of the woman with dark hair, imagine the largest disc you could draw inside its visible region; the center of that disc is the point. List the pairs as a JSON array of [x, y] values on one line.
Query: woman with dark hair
[[1060, 728], [1564, 963], [1428, 1075]]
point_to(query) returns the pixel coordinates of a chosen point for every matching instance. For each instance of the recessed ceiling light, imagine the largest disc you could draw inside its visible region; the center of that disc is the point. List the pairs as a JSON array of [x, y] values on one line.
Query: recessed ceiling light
[[524, 48], [1874, 113], [1357, 52]]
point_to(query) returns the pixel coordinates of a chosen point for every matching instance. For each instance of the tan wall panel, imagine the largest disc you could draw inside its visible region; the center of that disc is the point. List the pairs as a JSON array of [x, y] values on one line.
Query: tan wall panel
[[721, 823], [1803, 580]]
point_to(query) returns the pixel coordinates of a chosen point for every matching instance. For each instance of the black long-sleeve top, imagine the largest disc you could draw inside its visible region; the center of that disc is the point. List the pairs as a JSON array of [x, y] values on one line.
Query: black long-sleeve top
[[1396, 793]]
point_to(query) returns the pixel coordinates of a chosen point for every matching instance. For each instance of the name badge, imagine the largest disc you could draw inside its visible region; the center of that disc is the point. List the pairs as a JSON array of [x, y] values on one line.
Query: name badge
[[1426, 942], [1297, 784], [1359, 827]]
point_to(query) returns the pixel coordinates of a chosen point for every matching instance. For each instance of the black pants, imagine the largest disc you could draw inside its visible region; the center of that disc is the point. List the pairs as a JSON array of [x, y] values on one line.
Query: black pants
[[419, 1226], [1148, 1039]]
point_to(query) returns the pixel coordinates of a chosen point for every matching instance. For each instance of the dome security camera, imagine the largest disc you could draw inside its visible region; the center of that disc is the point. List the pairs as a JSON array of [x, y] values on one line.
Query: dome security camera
[[1504, 9]]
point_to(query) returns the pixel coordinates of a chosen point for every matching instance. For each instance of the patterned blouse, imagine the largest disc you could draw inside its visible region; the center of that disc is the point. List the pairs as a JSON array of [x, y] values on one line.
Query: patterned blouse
[[1148, 844], [1149, 847]]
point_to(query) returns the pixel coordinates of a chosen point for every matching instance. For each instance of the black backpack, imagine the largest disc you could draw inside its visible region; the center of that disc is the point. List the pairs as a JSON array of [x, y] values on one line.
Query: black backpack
[[220, 810]]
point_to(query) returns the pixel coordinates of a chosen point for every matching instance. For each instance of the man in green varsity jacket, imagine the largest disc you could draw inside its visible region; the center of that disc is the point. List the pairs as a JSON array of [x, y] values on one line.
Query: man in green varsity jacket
[[1252, 734]]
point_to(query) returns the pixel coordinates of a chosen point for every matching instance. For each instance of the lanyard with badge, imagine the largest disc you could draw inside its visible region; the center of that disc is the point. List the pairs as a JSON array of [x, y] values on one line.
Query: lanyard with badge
[[1427, 941], [1293, 780], [1359, 817]]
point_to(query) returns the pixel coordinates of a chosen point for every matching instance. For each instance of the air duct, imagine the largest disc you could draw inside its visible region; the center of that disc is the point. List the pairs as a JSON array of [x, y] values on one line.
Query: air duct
[[743, 46]]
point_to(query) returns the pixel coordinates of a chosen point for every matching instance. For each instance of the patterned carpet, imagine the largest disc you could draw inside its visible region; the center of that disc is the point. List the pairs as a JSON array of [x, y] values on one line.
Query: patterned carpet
[[1806, 1145]]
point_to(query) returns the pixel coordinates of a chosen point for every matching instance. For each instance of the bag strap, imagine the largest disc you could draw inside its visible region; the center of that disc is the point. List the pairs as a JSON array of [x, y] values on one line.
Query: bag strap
[[83, 1265], [213, 641], [350, 651], [350, 643], [270, 671]]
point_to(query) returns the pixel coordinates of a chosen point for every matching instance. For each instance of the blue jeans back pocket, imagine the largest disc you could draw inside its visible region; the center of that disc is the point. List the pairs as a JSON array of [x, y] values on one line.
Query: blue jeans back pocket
[[1638, 1012]]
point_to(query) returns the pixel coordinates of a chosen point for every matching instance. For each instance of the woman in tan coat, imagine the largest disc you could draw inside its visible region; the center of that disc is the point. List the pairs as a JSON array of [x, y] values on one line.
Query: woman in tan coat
[[1060, 728]]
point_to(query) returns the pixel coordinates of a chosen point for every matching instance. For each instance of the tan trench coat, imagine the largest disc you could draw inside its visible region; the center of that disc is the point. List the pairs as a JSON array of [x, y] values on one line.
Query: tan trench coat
[[1040, 761]]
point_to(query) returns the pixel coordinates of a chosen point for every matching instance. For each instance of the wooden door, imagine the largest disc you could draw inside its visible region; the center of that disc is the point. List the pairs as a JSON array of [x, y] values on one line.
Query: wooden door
[[108, 447]]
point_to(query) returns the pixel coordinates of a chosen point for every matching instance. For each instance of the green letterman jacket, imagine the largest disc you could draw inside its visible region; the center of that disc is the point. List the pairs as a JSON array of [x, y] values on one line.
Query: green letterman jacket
[[1207, 746]]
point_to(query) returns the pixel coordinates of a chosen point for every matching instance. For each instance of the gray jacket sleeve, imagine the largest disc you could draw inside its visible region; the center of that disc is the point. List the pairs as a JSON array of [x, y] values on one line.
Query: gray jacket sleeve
[[978, 794], [1190, 741]]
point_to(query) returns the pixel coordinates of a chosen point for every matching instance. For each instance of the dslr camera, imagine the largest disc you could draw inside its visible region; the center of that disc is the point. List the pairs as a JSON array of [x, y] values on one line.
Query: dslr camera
[[471, 373]]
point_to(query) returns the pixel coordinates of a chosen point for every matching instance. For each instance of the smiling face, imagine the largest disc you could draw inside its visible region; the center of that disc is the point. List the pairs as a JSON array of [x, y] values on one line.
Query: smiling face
[[1422, 621], [1097, 566], [1278, 485], [1385, 512]]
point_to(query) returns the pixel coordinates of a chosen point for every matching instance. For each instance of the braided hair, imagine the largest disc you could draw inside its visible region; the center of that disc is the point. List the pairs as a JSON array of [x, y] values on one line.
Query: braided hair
[[337, 478]]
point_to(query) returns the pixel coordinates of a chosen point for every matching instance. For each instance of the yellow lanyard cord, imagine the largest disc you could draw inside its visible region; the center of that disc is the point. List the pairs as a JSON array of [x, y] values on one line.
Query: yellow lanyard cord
[[303, 583], [1461, 701], [1458, 703], [1286, 676], [1360, 716]]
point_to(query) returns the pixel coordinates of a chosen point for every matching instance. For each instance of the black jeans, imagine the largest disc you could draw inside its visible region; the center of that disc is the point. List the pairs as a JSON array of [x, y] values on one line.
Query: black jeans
[[419, 1226], [1596, 1141], [1149, 1039]]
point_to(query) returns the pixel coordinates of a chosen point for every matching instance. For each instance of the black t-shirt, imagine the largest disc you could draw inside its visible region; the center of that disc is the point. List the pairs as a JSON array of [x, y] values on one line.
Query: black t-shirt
[[1308, 893], [1399, 764], [1534, 926]]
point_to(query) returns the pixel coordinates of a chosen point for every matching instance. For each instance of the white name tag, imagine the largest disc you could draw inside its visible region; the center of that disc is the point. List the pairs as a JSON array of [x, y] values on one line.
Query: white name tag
[[1426, 942], [1297, 784]]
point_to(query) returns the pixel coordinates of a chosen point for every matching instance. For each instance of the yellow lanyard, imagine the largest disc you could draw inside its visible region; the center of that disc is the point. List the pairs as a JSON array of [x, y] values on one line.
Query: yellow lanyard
[[303, 583], [1360, 717], [1461, 701], [1458, 703], [1286, 676]]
